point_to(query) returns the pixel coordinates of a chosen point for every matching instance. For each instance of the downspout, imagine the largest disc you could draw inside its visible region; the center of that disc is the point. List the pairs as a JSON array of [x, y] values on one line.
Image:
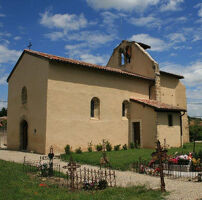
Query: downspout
[[181, 133]]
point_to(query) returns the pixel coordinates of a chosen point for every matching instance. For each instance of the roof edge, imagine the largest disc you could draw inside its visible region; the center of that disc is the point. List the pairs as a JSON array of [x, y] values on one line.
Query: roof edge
[[171, 74]]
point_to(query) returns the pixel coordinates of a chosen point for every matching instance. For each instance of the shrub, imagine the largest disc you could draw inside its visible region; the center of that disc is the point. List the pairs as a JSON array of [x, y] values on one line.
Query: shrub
[[98, 147], [117, 147], [78, 150], [108, 146], [132, 145], [90, 148], [124, 147], [67, 149]]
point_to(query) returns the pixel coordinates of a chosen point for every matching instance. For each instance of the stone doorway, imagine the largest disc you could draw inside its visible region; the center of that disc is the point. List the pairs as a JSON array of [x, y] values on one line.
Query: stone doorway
[[24, 135], [136, 133]]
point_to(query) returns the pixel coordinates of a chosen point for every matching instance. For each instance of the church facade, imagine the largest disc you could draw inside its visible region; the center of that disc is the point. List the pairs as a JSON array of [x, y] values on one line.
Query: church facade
[[58, 101]]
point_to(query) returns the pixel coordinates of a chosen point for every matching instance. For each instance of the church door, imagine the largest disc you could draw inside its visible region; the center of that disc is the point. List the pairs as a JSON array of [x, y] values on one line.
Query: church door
[[136, 133], [24, 135]]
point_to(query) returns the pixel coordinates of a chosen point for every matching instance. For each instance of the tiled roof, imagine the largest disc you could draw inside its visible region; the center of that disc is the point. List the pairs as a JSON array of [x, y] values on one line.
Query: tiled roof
[[157, 105], [81, 63]]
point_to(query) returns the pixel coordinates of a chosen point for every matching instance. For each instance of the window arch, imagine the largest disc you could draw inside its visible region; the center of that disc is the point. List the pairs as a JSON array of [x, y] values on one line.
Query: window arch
[[95, 108], [24, 95], [125, 108]]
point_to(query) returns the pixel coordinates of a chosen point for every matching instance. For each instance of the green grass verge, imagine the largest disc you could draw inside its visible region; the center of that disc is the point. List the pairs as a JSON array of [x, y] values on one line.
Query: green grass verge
[[16, 184], [123, 159]]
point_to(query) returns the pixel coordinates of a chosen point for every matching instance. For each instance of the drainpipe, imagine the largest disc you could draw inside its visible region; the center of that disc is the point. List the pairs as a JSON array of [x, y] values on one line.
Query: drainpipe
[[181, 115]]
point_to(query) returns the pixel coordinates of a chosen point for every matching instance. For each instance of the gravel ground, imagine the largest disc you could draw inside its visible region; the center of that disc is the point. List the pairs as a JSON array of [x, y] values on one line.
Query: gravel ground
[[179, 190]]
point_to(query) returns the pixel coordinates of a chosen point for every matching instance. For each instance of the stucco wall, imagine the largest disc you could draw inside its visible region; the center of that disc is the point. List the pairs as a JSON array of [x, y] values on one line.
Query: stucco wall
[[148, 119], [168, 89], [32, 73], [170, 133], [140, 63], [173, 92], [70, 90]]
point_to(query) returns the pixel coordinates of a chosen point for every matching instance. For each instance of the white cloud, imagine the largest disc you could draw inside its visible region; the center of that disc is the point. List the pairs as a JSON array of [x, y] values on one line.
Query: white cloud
[[55, 35], [3, 79], [2, 15], [8, 55], [95, 59], [67, 22], [171, 5], [3, 105], [126, 5], [176, 37], [17, 38], [93, 39], [155, 43], [82, 52], [200, 9], [149, 21]]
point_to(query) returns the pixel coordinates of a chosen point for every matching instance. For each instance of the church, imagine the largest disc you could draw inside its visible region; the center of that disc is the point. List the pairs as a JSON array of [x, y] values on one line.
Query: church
[[57, 101]]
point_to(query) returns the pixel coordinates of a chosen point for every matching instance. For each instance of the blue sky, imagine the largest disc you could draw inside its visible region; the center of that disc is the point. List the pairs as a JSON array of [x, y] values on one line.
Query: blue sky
[[89, 30]]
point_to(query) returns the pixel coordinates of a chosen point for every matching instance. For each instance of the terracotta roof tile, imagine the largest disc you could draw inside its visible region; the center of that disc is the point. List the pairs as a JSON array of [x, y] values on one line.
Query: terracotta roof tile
[[85, 64], [157, 105]]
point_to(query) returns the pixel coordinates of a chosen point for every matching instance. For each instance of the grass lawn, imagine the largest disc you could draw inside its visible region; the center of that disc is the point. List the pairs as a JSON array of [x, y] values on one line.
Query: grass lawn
[[17, 185], [123, 159]]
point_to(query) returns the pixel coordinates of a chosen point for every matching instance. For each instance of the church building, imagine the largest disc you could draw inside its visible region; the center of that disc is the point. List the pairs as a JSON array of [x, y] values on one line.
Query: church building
[[57, 101]]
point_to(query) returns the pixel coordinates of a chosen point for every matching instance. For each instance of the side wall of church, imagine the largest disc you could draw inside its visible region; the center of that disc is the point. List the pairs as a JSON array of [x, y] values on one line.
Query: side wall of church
[[70, 90]]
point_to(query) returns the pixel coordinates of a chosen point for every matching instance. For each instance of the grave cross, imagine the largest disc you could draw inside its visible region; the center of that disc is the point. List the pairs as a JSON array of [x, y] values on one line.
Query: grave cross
[[160, 153], [72, 166]]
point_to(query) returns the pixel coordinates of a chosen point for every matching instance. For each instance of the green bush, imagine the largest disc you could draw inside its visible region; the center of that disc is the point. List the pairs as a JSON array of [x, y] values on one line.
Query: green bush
[[108, 146], [124, 147], [67, 149], [98, 147], [90, 148], [117, 147], [132, 145], [78, 150]]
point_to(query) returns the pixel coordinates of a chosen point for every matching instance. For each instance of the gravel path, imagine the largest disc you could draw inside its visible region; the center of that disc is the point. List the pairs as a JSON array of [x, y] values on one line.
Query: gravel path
[[179, 190]]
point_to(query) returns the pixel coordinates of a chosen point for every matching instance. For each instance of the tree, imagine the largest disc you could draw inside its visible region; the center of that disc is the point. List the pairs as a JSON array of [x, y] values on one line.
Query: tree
[[3, 112]]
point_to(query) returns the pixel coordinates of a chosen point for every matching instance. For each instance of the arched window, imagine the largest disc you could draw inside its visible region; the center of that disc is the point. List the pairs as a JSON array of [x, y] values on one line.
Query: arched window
[[24, 95], [125, 106], [95, 108]]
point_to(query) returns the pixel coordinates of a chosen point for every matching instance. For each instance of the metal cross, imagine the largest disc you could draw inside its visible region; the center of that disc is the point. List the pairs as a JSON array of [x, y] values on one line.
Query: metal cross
[[30, 45]]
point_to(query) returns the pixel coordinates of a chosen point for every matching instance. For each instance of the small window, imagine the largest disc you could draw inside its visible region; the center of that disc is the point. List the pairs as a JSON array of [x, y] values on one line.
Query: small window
[[125, 106], [24, 95], [170, 120], [95, 108]]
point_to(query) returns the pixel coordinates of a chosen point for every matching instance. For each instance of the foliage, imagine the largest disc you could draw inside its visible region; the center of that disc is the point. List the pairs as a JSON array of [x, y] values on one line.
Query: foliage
[[15, 184], [3, 112], [78, 150], [117, 147], [68, 149], [132, 145], [124, 147], [90, 147], [99, 147], [108, 146], [195, 132]]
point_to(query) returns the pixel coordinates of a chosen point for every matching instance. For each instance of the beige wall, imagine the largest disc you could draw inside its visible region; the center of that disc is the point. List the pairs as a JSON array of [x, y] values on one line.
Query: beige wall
[[148, 119], [170, 133], [70, 90], [32, 73], [140, 63], [173, 92]]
